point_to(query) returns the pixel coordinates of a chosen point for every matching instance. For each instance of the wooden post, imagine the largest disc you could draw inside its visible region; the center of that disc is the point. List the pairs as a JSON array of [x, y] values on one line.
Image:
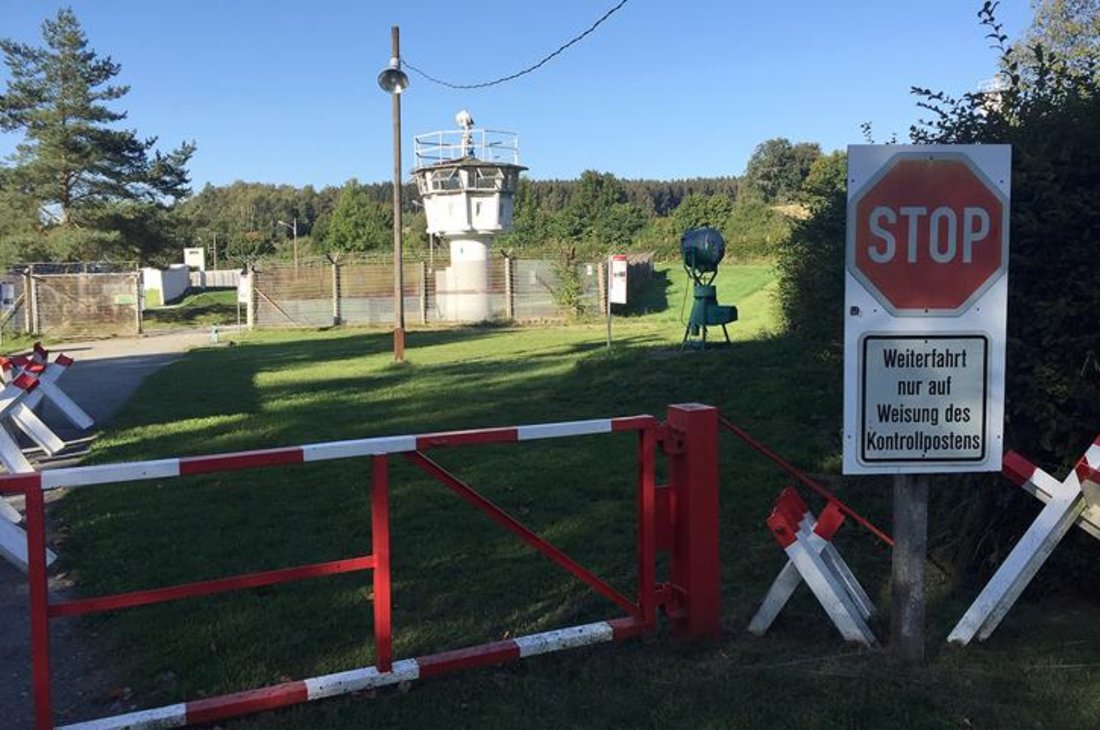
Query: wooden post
[[907, 577]]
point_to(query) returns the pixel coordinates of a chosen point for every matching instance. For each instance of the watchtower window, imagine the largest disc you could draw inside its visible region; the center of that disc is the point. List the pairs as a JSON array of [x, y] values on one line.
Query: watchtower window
[[488, 178], [444, 180]]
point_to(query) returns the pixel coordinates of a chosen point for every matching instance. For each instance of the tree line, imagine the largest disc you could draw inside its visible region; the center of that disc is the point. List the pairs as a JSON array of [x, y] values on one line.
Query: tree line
[[81, 187]]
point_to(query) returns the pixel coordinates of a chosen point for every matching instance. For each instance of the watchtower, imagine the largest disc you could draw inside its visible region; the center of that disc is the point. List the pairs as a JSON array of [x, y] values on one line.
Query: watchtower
[[467, 180]]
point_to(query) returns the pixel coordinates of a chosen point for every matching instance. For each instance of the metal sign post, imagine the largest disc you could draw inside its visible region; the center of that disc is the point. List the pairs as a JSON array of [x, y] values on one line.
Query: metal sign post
[[926, 293]]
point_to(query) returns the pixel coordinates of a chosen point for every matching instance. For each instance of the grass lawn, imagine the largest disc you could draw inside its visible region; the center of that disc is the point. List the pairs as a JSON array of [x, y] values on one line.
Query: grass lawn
[[459, 580], [196, 309]]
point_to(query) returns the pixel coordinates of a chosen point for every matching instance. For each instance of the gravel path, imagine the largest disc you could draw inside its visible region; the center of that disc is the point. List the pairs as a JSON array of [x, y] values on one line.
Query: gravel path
[[101, 381]]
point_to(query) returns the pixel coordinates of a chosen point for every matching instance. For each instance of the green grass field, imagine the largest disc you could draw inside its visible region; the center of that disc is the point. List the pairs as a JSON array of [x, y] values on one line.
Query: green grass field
[[459, 580], [195, 309]]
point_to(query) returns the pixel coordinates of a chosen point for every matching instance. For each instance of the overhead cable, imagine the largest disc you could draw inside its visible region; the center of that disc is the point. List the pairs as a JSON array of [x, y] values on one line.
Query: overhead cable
[[525, 71]]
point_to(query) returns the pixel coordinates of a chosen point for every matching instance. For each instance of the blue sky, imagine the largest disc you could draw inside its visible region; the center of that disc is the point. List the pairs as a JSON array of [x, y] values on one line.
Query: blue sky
[[285, 92]]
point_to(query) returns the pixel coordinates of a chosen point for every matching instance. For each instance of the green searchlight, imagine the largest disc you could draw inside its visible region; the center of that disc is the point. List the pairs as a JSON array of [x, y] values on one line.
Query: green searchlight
[[702, 249]]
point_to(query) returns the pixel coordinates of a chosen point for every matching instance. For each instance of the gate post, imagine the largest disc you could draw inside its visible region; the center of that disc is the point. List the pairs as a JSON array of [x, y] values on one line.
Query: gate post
[[693, 568]]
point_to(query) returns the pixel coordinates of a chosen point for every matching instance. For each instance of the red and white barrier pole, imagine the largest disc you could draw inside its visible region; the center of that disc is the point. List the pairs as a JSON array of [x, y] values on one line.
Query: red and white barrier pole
[[215, 709], [695, 608]]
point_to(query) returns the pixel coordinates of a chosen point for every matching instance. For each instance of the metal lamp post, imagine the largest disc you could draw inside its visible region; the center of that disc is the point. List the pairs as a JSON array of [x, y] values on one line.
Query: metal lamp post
[[393, 80], [294, 230]]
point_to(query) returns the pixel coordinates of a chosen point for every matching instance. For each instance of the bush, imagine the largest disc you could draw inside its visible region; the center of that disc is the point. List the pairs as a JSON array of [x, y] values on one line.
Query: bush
[[1048, 112], [811, 260], [568, 291]]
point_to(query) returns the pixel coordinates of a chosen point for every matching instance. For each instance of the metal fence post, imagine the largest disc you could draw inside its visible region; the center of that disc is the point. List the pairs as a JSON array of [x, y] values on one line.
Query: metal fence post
[[36, 322], [336, 317], [601, 286], [423, 292], [28, 299], [509, 289], [250, 315], [691, 446], [138, 287]]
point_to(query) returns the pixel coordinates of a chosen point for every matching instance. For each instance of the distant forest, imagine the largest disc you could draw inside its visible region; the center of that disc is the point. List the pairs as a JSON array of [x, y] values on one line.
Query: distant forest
[[589, 216], [245, 217]]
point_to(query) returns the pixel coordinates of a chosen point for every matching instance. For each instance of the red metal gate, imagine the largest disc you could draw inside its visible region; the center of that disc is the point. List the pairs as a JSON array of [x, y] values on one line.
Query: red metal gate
[[680, 518]]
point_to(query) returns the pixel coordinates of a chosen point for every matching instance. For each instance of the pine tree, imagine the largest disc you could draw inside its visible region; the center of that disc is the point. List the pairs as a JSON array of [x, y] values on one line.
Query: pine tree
[[74, 161], [358, 223]]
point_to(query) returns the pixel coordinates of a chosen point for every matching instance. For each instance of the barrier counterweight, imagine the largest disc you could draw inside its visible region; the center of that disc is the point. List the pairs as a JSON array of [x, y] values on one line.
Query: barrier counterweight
[[653, 520]]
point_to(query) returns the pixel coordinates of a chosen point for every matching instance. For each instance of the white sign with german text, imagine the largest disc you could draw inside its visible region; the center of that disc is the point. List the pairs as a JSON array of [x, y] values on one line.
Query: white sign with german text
[[924, 398], [925, 302]]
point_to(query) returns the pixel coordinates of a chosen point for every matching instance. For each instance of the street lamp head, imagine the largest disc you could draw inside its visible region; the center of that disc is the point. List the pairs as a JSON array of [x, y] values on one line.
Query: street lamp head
[[392, 79]]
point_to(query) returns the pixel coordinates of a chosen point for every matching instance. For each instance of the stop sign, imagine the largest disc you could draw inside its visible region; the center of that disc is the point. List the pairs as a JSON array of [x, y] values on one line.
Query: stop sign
[[928, 234]]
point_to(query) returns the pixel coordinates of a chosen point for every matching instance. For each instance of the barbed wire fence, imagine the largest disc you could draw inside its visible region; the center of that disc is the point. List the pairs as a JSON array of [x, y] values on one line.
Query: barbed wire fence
[[358, 290], [89, 300]]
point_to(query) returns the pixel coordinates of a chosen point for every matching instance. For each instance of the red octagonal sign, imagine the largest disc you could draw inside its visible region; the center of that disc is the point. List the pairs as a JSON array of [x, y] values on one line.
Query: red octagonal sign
[[928, 234]]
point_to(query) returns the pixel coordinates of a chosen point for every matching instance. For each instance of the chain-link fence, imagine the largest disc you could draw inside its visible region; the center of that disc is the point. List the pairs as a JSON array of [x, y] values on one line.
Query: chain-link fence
[[322, 292], [71, 300]]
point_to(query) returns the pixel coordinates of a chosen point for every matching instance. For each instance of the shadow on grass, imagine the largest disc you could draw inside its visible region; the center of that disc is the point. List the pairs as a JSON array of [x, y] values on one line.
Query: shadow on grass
[[651, 297], [195, 310], [458, 579]]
